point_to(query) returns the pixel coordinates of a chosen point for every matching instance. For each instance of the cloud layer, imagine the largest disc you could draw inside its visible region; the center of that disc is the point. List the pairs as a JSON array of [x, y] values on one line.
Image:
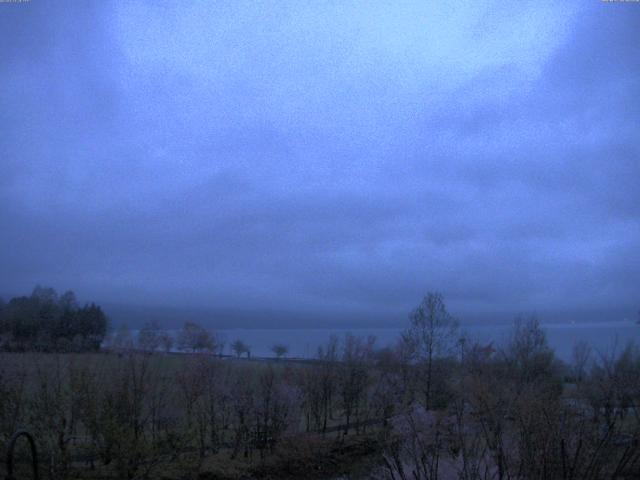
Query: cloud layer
[[323, 157]]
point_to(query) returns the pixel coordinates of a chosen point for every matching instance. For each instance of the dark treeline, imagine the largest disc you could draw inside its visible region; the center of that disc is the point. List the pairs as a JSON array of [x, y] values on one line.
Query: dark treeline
[[48, 322], [436, 406]]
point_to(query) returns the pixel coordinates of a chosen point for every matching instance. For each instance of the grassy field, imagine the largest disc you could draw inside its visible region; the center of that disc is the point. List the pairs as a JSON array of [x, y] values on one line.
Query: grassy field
[[99, 416]]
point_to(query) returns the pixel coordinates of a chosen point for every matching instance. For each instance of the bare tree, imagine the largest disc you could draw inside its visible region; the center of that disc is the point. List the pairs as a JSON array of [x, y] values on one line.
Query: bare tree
[[195, 338], [275, 403], [431, 333], [243, 392], [354, 377], [240, 348], [318, 385], [580, 357], [528, 352], [280, 350], [149, 337], [51, 414]]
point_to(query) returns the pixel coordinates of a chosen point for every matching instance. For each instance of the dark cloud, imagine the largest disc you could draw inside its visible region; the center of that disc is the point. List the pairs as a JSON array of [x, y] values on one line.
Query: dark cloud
[[321, 159]]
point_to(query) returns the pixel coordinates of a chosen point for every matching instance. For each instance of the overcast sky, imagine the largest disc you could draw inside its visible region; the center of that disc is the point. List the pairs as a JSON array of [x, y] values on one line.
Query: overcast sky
[[333, 157]]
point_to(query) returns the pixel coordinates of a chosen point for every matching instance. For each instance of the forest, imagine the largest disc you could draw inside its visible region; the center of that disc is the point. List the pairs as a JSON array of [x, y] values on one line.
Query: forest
[[434, 406], [47, 322]]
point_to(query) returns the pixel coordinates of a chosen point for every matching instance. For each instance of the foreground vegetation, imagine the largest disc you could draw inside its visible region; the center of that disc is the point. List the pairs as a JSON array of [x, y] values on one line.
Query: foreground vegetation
[[436, 406]]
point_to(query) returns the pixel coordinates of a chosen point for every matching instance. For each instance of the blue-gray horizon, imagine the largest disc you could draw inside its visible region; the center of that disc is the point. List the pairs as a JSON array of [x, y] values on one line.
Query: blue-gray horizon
[[323, 157]]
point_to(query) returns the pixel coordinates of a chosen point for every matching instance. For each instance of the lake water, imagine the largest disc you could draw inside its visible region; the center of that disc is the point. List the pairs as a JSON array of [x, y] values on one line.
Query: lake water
[[303, 343]]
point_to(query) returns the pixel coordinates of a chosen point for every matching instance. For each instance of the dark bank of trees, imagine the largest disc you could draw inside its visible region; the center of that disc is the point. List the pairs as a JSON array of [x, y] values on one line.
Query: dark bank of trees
[[48, 322]]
